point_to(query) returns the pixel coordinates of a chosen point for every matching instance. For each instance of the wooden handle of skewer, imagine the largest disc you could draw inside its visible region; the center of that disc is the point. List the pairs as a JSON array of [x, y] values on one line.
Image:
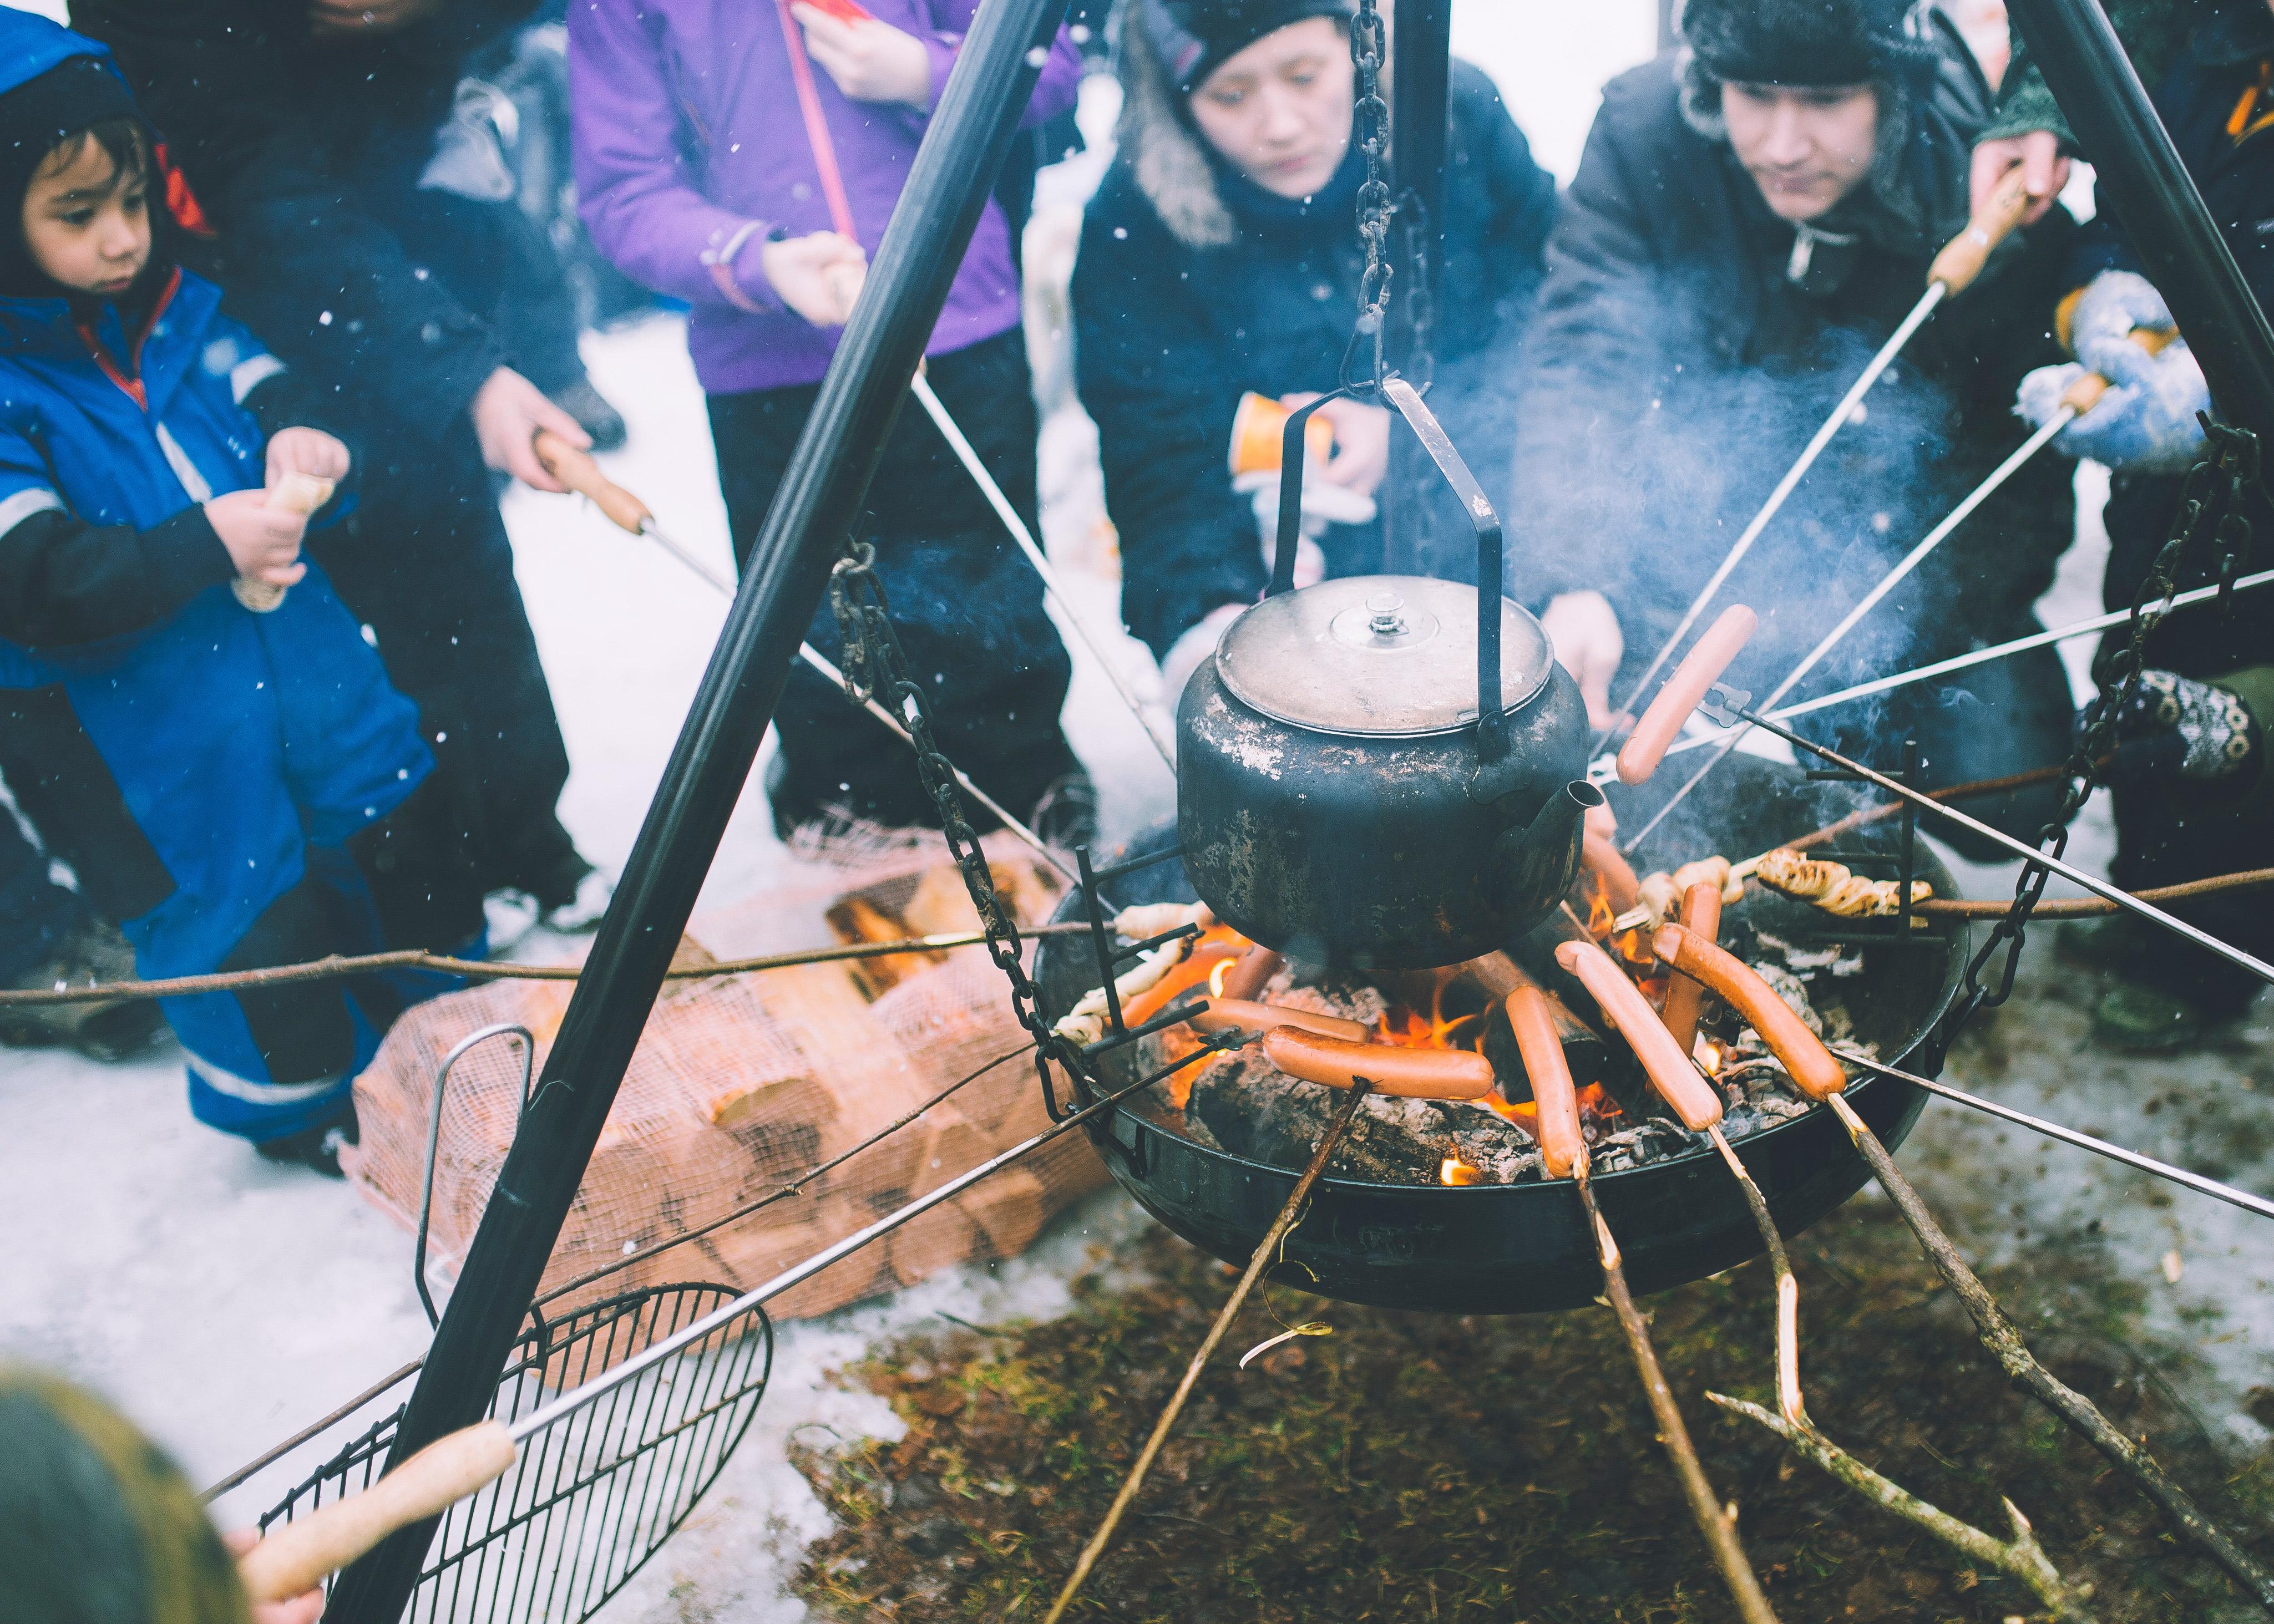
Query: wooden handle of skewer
[[1671, 1072], [1815, 1072], [2085, 393], [576, 469], [1701, 918], [300, 493], [297, 1556], [1962, 257], [1700, 669], [1562, 1148]]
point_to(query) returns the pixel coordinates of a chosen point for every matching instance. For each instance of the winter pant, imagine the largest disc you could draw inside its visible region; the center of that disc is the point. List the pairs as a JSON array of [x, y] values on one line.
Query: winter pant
[[966, 603], [2168, 833], [424, 561], [37, 916], [269, 1062]]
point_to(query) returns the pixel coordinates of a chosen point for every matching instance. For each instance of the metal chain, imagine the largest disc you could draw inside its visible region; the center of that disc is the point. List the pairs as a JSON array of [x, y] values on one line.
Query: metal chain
[[2211, 500], [875, 665], [1370, 129]]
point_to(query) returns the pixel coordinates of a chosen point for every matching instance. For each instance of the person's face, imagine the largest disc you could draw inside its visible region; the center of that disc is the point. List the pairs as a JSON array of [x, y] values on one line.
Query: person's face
[[1279, 110], [1806, 147], [86, 225]]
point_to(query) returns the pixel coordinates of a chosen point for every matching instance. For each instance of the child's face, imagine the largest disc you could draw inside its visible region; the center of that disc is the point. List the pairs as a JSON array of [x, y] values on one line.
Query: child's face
[[86, 225]]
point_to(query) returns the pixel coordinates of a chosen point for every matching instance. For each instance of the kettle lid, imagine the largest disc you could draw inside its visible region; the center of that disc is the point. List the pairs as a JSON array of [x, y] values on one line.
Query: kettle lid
[[1380, 656]]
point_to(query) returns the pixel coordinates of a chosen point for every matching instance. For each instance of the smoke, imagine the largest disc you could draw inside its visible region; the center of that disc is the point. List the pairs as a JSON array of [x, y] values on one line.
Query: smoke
[[1645, 447]]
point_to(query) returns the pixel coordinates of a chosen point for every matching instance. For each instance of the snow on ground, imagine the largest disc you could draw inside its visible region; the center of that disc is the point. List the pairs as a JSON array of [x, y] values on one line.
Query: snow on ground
[[225, 1303]]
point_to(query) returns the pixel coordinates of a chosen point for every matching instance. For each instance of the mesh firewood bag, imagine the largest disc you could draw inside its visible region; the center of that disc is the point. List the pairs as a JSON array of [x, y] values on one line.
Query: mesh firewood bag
[[741, 1083]]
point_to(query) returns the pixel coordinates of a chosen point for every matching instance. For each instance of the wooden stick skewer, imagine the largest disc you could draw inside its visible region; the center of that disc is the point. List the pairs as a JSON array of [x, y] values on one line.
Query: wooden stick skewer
[[1266, 1249]]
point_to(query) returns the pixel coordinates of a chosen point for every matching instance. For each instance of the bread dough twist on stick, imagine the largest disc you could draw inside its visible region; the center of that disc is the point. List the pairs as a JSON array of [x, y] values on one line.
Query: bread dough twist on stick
[[1833, 886]]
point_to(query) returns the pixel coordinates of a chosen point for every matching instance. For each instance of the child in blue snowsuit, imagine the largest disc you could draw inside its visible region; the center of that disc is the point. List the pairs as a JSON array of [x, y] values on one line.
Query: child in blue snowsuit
[[234, 789]]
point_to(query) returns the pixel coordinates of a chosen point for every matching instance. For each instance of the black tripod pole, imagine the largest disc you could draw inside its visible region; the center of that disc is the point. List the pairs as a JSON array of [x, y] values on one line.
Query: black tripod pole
[[2139, 174], [817, 506]]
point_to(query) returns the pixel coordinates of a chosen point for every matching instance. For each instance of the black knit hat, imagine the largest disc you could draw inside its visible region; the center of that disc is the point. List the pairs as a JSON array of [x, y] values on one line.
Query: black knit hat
[[1195, 36], [35, 118], [1808, 42]]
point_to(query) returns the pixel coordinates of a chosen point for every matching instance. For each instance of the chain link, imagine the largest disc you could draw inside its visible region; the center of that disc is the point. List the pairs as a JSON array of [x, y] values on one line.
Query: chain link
[[2211, 500], [877, 667], [1370, 127]]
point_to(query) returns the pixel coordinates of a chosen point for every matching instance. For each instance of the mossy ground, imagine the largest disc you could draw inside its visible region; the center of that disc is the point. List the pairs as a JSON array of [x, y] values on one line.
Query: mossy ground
[[1430, 1467]]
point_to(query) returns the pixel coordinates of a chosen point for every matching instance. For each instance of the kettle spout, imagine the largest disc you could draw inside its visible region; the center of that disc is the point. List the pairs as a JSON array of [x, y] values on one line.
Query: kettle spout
[[1538, 863]]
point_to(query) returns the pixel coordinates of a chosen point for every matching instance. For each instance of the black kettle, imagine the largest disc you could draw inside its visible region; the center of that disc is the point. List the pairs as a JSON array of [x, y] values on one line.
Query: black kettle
[[1382, 772]]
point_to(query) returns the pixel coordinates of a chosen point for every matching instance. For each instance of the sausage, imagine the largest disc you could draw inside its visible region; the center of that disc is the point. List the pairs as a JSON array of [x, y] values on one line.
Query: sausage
[[1251, 973], [1410, 1073], [1620, 885], [1701, 917], [1670, 1071], [1563, 1148], [1222, 1014], [1700, 669], [1815, 1072]]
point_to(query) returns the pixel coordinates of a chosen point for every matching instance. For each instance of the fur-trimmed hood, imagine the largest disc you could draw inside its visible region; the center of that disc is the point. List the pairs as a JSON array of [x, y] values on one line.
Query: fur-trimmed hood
[[1164, 153]]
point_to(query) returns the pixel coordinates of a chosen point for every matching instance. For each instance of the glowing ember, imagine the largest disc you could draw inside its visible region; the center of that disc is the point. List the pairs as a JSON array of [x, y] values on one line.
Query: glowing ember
[[1709, 1055], [1453, 1170]]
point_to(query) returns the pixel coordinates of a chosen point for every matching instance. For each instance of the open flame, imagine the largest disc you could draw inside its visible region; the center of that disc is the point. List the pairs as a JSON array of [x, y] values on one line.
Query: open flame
[[1453, 1170]]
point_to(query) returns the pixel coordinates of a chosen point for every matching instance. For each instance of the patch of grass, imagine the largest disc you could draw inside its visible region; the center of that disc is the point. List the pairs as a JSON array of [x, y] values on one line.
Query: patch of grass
[[1461, 1470]]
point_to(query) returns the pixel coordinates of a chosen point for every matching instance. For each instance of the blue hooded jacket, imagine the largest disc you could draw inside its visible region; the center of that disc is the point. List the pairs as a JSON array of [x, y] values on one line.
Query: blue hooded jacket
[[180, 751]]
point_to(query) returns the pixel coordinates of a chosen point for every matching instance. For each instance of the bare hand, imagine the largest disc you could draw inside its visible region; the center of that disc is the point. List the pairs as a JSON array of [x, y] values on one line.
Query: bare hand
[[333, 19], [507, 411], [818, 276], [306, 451], [305, 1608], [870, 61], [2043, 170], [1584, 630], [1361, 458], [263, 542]]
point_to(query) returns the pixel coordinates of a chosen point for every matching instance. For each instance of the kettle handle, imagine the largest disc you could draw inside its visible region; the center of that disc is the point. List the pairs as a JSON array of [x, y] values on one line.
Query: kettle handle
[[1491, 720], [1292, 460]]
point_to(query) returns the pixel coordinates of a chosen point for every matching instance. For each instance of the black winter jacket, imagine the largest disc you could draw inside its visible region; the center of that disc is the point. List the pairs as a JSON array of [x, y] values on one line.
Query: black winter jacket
[[295, 148], [1675, 368], [2221, 63], [1194, 285]]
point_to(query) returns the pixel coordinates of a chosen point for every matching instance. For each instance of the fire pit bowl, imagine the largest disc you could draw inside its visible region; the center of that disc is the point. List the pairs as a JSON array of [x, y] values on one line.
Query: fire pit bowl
[[1525, 1248]]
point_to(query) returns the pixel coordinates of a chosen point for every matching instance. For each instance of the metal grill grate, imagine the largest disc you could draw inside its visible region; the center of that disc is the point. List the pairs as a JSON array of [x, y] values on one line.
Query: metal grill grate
[[592, 1498]]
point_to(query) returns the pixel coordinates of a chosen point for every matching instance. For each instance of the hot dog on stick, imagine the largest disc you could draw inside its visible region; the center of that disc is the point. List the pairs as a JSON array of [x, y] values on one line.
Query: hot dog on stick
[[1670, 1069], [1815, 1072], [1409, 1073]]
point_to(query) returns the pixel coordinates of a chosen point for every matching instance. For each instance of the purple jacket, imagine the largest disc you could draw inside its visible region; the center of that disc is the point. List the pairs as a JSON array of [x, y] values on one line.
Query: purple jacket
[[689, 148]]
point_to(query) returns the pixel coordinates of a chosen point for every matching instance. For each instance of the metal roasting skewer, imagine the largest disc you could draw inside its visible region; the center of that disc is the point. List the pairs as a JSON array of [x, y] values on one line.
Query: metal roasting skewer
[[655, 1353], [1925, 803], [1981, 656], [577, 469], [965, 454], [2196, 1182], [1869, 601], [1953, 270], [1785, 486], [461, 1463]]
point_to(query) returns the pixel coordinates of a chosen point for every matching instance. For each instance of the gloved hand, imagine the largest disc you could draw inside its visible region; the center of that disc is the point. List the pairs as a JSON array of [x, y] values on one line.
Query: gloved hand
[[2144, 423], [2175, 727], [2113, 303]]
